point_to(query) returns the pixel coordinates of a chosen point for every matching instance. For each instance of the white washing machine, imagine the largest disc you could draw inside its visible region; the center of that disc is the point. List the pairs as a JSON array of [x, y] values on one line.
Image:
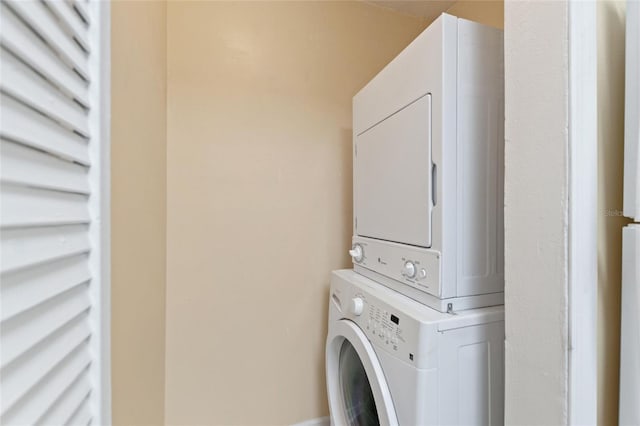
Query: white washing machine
[[393, 361]]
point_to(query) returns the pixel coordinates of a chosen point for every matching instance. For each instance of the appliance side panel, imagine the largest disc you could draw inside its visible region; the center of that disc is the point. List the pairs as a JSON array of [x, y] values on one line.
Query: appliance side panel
[[630, 332], [631, 202], [444, 154], [410, 75], [480, 171], [471, 375], [354, 172], [473, 383]]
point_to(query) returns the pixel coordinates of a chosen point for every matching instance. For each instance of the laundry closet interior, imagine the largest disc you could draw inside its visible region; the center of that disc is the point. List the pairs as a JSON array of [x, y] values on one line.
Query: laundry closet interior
[[281, 141], [260, 194]]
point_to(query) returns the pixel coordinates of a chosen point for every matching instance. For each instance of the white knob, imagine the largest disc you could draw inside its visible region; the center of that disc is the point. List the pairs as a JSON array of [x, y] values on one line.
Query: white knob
[[356, 306], [409, 269], [357, 253], [422, 274]]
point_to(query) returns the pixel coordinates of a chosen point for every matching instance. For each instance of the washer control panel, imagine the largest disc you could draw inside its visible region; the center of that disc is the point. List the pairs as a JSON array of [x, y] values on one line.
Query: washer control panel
[[414, 266], [384, 326]]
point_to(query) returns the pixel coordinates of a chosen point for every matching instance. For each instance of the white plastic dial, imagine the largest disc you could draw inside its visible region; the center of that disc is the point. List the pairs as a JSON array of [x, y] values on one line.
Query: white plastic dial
[[356, 306], [409, 269], [357, 253]]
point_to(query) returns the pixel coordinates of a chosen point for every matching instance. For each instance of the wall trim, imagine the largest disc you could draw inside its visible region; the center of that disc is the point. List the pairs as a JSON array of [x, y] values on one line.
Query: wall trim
[[100, 230], [583, 206], [550, 212]]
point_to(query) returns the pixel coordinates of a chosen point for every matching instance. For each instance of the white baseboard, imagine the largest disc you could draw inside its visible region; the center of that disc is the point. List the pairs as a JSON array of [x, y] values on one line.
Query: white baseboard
[[320, 421]]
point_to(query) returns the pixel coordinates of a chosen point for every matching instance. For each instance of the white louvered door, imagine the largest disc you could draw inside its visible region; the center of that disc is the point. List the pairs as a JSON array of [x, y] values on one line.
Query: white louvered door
[[54, 221]]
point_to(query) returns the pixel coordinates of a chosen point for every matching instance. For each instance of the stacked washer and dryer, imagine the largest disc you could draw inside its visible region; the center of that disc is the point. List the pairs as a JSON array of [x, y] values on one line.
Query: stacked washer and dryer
[[416, 329]]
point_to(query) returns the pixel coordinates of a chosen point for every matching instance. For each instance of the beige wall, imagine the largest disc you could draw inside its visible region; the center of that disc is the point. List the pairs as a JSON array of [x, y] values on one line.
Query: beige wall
[[486, 12], [611, 34], [259, 197], [138, 140]]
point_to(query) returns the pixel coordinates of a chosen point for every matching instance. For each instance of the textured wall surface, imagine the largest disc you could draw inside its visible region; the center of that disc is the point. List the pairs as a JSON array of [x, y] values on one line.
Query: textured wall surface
[[138, 211], [536, 215], [260, 197]]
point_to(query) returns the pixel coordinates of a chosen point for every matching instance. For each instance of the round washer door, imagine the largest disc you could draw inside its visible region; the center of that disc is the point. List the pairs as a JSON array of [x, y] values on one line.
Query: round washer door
[[357, 390]]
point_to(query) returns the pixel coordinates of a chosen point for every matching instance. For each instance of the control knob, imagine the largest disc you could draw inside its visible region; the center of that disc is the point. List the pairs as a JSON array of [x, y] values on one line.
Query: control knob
[[357, 253], [356, 306], [409, 269]]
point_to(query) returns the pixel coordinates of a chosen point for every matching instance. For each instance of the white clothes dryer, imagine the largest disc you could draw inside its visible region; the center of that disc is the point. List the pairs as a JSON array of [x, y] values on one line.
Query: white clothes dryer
[[428, 163], [393, 361]]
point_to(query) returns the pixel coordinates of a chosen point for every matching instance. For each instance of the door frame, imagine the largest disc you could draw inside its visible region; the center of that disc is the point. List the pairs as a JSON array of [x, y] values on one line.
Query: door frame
[[550, 212], [583, 207], [100, 206]]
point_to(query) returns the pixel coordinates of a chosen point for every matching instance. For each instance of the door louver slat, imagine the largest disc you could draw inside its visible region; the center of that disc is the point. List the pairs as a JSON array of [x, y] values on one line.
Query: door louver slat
[[26, 372], [71, 21], [82, 415], [36, 15], [64, 408], [23, 248], [81, 9], [53, 175], [24, 125], [30, 287], [22, 333], [43, 207], [25, 44], [22, 83], [42, 396]]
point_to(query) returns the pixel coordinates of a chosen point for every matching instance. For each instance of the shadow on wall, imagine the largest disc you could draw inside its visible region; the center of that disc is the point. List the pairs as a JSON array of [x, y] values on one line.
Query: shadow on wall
[[346, 170]]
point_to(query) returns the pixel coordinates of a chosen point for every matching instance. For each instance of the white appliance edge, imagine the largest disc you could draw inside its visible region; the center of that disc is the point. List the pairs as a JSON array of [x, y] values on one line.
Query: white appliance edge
[[629, 409]]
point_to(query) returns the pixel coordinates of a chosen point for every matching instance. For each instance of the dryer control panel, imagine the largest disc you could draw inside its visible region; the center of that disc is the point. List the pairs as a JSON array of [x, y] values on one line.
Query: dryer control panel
[[413, 266]]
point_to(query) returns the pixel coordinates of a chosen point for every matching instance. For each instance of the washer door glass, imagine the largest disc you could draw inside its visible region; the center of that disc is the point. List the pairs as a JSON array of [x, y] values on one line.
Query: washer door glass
[[356, 391]]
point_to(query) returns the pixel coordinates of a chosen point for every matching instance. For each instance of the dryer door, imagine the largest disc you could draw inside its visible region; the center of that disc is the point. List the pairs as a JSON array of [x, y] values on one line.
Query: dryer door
[[393, 177], [358, 392]]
